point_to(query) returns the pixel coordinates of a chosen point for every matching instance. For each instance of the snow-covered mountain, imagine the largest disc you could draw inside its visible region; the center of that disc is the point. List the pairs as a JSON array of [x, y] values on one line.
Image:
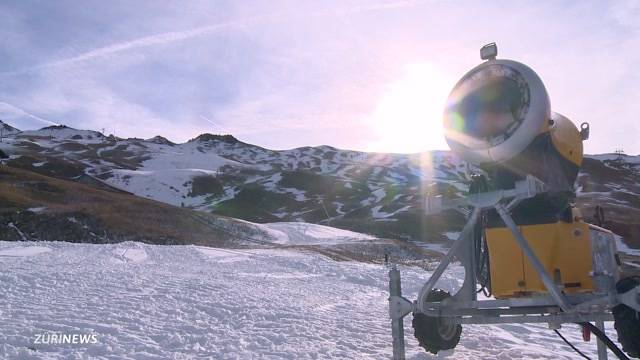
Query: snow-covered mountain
[[263, 281], [379, 193], [43, 208], [375, 193], [613, 182], [6, 129]]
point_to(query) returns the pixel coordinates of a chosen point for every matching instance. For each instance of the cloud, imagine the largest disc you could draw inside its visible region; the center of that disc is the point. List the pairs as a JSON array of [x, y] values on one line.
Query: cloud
[[293, 73], [147, 41], [174, 36]]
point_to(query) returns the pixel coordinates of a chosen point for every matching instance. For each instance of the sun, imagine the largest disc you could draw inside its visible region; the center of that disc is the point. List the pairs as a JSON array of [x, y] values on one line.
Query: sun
[[408, 116]]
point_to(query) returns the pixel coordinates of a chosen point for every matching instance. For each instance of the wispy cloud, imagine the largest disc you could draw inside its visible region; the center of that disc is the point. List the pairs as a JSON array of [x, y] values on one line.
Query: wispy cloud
[[146, 41], [175, 36]]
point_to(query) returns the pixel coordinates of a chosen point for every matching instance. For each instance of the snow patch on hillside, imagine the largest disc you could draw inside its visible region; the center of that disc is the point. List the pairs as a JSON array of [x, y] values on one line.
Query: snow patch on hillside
[[64, 133], [185, 157], [376, 213], [171, 186], [300, 233]]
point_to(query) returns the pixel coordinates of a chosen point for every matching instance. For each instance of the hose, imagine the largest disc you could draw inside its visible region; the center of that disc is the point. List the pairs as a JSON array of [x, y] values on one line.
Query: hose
[[571, 345], [605, 339]]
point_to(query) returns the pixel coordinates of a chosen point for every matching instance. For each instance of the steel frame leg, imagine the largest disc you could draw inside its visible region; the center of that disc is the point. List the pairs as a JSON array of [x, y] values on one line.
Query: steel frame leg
[[399, 307], [602, 348], [437, 273]]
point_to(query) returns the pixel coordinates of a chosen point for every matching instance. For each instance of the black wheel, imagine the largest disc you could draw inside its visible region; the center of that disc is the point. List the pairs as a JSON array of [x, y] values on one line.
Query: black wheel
[[436, 333], [627, 320]]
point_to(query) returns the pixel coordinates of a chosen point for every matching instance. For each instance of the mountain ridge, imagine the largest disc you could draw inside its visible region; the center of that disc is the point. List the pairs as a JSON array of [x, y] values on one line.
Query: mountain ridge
[[378, 193]]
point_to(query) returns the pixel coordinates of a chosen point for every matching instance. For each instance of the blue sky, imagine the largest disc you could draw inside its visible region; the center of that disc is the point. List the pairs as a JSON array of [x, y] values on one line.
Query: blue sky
[[366, 75]]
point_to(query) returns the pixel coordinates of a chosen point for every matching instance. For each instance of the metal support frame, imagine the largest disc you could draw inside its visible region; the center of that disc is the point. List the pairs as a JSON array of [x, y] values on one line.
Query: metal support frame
[[437, 273], [464, 308], [602, 348], [399, 307], [490, 200]]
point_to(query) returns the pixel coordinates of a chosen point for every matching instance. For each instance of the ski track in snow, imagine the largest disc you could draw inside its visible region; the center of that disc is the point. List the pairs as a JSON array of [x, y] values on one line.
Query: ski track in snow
[[189, 302]]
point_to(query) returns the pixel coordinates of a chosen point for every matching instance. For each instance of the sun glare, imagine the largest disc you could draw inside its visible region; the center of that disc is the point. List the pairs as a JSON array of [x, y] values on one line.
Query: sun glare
[[408, 117]]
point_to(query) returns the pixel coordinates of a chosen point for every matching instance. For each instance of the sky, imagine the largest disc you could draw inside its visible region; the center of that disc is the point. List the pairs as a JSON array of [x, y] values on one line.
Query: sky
[[363, 75]]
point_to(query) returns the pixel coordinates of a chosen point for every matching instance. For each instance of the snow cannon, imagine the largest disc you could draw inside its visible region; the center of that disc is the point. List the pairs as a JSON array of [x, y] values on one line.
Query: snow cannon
[[525, 245], [499, 117]]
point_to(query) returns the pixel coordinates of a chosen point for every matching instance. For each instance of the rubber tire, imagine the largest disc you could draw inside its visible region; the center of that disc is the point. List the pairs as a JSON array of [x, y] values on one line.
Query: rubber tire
[[426, 328], [627, 320]]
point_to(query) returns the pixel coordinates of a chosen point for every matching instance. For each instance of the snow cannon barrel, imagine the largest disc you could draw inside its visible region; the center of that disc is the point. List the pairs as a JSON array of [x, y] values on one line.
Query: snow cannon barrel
[[495, 111], [498, 117]]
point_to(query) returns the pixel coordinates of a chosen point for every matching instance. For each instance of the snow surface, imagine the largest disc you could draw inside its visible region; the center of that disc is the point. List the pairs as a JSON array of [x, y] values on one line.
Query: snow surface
[[24, 251], [7, 146], [300, 233], [624, 248], [189, 302], [162, 185], [184, 156]]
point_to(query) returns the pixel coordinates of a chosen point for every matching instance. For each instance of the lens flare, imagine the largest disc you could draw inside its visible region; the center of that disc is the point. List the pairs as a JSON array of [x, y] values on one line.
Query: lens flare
[[408, 116], [456, 122]]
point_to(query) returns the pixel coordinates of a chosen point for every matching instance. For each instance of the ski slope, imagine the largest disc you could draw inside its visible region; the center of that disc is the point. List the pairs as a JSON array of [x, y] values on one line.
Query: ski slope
[[301, 233], [189, 302]]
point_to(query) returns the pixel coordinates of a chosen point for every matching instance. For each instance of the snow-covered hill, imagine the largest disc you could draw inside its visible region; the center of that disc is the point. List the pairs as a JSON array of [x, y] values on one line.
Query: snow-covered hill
[[270, 285], [375, 193], [380, 193], [162, 302], [6, 129]]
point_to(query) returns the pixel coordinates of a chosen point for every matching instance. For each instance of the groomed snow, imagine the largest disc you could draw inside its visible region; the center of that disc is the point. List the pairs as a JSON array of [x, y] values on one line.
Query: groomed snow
[[24, 251], [300, 233], [188, 302]]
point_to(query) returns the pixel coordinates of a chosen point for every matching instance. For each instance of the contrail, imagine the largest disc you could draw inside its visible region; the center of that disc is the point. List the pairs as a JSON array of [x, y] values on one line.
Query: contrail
[[174, 36], [19, 111], [146, 41], [207, 120]]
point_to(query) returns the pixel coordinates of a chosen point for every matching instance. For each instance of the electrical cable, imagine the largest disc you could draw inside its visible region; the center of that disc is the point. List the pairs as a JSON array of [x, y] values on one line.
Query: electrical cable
[[482, 254], [481, 251], [605, 339], [571, 345]]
